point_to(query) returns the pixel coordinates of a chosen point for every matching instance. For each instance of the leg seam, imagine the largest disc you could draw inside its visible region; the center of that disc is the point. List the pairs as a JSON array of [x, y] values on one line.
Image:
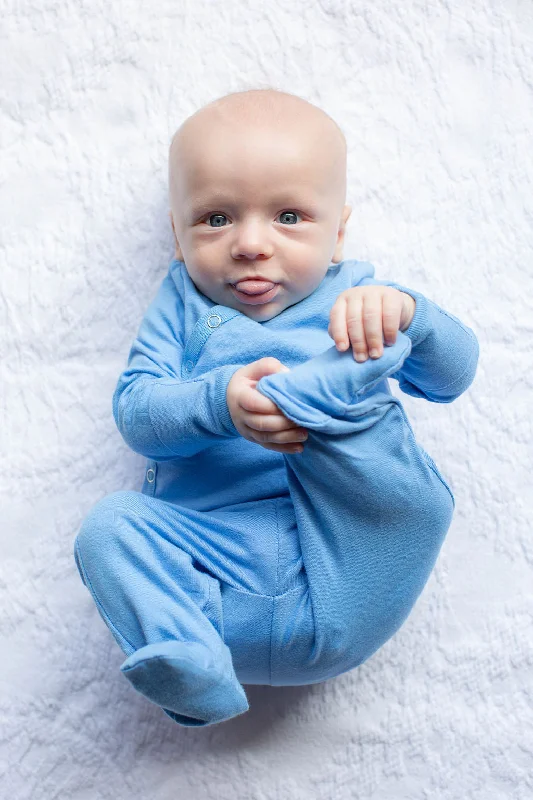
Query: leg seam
[[277, 543], [271, 644], [271, 648], [269, 596]]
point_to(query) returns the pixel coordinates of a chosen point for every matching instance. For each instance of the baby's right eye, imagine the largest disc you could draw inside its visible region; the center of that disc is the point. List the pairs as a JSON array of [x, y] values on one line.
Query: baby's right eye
[[215, 216]]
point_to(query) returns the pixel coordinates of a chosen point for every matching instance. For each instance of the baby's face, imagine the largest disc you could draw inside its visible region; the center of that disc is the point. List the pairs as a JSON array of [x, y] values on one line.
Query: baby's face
[[250, 204]]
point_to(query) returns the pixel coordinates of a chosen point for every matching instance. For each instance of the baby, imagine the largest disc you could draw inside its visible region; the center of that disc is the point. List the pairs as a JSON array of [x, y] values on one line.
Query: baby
[[248, 557]]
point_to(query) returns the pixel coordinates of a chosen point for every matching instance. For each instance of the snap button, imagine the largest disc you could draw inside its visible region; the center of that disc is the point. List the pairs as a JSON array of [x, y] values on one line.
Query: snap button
[[189, 365], [150, 475], [217, 320]]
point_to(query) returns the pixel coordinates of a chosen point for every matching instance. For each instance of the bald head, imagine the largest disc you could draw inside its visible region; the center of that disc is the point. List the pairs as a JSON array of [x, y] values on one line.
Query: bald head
[[257, 115]]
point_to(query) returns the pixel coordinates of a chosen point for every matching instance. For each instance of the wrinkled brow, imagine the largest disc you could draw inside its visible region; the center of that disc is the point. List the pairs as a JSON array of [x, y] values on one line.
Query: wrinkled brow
[[204, 203]]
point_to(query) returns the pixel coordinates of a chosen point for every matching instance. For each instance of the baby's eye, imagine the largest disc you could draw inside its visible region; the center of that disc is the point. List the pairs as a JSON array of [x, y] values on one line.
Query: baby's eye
[[218, 217], [289, 213]]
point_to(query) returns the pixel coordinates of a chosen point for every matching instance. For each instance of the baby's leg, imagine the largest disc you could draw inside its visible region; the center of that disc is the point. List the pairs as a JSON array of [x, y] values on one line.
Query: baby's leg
[[371, 512], [164, 612]]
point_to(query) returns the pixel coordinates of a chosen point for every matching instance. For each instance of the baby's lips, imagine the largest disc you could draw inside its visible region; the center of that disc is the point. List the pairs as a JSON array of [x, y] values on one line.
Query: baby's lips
[[254, 287]]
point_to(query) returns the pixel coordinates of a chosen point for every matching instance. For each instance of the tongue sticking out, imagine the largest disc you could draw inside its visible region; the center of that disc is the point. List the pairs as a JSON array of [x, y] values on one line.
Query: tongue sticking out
[[254, 287]]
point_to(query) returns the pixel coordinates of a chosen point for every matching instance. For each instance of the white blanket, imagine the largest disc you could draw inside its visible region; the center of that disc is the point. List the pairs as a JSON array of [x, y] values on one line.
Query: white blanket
[[437, 108]]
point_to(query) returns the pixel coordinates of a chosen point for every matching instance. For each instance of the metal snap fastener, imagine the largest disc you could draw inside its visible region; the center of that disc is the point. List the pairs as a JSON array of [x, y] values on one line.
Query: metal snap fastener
[[189, 365], [215, 323], [150, 475]]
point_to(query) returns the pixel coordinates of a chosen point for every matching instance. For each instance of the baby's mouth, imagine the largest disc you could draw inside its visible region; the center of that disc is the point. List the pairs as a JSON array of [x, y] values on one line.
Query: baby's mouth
[[252, 287], [255, 292]]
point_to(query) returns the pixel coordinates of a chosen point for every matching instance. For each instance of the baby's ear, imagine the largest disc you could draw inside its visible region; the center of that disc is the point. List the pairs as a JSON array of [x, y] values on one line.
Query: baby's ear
[[178, 254]]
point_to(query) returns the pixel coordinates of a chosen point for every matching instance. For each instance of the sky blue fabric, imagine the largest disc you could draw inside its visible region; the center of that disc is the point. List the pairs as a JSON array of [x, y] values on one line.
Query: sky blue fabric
[[237, 565]]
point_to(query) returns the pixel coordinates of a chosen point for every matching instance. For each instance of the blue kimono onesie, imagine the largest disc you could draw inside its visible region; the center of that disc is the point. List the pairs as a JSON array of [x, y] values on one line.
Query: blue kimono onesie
[[240, 565]]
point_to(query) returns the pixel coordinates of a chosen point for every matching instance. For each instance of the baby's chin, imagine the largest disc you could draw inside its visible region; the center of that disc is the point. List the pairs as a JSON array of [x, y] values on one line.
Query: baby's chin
[[261, 313]]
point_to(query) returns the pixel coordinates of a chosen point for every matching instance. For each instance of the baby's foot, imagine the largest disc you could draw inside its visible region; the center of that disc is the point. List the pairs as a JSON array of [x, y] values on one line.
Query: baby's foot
[[186, 680], [334, 386]]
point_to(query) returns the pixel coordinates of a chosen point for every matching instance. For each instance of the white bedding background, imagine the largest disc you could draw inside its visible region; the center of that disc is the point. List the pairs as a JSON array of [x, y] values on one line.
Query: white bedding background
[[436, 101]]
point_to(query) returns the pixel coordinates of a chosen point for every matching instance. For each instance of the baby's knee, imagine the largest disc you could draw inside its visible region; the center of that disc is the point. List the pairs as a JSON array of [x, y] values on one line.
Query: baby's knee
[[101, 529]]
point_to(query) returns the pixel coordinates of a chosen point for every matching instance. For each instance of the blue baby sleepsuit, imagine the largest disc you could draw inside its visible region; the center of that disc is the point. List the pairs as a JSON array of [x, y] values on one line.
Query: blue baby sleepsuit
[[240, 565]]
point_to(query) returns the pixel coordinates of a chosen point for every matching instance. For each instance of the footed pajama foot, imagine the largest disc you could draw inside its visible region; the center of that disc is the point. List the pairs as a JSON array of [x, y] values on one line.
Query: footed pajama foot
[[331, 387], [184, 678]]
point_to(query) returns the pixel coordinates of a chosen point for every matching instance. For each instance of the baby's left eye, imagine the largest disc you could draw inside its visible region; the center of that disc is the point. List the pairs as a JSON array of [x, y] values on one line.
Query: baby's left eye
[[289, 213]]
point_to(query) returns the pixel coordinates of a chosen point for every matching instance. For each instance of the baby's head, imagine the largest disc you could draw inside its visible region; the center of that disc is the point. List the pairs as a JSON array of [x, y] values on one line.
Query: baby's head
[[257, 184]]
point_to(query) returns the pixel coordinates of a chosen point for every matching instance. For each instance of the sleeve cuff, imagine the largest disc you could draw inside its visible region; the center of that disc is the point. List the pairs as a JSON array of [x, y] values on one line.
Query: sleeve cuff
[[221, 404], [184, 412], [420, 325]]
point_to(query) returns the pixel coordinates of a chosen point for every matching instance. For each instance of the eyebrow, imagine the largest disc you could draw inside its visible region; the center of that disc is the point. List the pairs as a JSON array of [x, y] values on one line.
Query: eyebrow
[[201, 204]]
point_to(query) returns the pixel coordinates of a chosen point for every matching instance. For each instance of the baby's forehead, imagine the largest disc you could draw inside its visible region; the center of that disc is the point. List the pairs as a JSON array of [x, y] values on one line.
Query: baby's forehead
[[261, 137], [294, 145], [294, 123], [256, 151], [273, 180]]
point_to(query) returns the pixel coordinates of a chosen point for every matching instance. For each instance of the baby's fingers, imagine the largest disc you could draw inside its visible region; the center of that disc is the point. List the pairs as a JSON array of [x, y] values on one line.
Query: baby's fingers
[[356, 326], [337, 328], [252, 400], [291, 439], [392, 312], [268, 424]]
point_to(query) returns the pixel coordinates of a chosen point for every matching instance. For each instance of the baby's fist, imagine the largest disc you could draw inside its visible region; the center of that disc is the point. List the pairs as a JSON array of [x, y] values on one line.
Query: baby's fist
[[256, 417]]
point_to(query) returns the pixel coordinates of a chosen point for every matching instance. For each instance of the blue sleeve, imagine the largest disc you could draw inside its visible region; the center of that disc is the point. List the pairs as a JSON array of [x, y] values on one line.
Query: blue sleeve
[[158, 414], [444, 355]]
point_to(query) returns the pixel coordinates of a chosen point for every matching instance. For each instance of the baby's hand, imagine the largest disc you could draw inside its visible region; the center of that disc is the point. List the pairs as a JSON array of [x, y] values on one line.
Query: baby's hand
[[256, 417], [367, 315]]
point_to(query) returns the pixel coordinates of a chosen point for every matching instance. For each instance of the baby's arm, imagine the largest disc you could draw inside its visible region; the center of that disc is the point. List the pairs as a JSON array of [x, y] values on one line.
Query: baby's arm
[[444, 355], [158, 414]]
